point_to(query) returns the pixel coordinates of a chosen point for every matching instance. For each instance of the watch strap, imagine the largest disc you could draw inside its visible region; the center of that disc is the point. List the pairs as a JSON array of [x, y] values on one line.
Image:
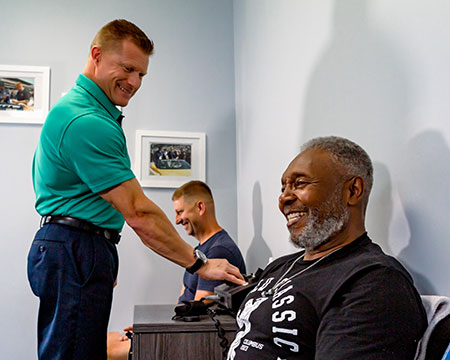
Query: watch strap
[[197, 265], [201, 260]]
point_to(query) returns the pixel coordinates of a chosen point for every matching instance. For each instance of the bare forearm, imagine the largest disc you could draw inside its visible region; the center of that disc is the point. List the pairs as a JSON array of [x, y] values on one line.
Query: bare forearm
[[149, 222], [156, 232]]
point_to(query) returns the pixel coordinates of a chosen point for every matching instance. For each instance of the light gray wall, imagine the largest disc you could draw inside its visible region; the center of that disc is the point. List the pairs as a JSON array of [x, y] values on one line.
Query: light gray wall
[[375, 71], [190, 87]]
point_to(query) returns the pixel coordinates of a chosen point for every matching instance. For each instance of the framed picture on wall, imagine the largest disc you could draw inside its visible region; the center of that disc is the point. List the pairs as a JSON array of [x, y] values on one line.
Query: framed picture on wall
[[24, 94], [169, 159]]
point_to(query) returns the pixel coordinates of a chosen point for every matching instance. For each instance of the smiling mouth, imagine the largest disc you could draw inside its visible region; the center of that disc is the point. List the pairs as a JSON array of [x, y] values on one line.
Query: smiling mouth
[[293, 217], [125, 90]]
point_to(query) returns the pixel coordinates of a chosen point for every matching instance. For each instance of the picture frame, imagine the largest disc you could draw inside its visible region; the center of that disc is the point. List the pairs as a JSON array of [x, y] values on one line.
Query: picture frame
[[169, 159], [27, 103]]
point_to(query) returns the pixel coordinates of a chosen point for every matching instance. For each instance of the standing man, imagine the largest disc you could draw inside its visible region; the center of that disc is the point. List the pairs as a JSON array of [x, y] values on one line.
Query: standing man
[[85, 190], [194, 209], [341, 297]]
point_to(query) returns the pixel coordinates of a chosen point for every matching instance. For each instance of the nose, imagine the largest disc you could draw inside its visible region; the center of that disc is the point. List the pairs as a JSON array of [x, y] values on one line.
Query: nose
[[135, 80], [286, 196], [177, 219]]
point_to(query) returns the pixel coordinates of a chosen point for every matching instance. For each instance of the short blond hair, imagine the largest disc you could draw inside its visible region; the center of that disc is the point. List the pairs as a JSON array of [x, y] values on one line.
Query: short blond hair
[[112, 34], [193, 189]]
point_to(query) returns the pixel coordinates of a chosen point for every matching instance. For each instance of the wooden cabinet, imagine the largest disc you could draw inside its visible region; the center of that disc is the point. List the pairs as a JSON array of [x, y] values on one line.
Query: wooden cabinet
[[158, 337]]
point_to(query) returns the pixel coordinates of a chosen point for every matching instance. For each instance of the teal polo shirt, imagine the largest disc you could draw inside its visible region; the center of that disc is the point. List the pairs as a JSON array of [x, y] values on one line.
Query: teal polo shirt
[[81, 152]]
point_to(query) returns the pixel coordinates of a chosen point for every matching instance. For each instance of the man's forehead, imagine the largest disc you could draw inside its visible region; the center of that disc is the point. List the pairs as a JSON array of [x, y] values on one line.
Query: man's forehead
[[178, 202], [130, 45], [182, 200], [131, 54], [308, 163]]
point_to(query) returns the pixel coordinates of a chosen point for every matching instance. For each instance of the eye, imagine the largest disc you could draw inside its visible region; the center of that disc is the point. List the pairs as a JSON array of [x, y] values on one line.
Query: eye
[[300, 183], [127, 69]]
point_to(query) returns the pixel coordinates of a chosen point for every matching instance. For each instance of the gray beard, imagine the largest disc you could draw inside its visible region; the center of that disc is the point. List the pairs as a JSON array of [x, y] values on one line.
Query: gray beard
[[317, 232]]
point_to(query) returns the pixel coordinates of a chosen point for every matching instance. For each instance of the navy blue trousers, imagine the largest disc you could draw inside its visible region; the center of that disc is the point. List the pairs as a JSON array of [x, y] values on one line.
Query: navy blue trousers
[[73, 273]]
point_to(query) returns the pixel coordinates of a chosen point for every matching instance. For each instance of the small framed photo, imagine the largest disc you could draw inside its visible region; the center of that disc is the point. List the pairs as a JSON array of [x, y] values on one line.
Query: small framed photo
[[169, 159], [24, 94]]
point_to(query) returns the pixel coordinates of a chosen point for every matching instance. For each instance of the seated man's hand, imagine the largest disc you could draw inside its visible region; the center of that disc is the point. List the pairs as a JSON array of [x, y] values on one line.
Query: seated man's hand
[[124, 337], [117, 349], [220, 269]]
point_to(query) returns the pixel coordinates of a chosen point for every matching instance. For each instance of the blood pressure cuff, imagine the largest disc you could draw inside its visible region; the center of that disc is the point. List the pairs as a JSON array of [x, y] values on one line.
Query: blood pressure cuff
[[188, 309]]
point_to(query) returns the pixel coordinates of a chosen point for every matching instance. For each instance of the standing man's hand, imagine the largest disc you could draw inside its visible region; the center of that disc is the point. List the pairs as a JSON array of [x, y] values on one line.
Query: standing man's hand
[[220, 269]]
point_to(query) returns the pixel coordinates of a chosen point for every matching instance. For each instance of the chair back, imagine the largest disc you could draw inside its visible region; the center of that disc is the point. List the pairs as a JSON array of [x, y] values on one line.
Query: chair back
[[436, 338]]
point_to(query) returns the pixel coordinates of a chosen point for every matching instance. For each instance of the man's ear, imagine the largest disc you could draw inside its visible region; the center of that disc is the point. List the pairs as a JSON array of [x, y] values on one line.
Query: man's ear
[[201, 206], [96, 54], [355, 189]]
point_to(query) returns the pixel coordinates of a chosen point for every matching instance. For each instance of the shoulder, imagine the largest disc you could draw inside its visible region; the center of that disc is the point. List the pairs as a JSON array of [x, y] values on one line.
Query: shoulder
[[360, 269], [76, 104], [220, 245], [93, 120], [95, 132], [220, 240], [82, 100], [366, 256]]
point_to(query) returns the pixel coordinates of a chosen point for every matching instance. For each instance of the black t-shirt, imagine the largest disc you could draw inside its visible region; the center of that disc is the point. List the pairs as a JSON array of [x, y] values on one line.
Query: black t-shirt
[[357, 303]]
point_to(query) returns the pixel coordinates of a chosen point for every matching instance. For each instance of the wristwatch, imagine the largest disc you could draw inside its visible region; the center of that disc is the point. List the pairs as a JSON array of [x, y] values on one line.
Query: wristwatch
[[201, 260]]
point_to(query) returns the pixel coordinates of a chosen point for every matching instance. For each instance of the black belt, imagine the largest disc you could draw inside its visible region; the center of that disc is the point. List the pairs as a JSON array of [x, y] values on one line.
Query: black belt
[[109, 234]]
